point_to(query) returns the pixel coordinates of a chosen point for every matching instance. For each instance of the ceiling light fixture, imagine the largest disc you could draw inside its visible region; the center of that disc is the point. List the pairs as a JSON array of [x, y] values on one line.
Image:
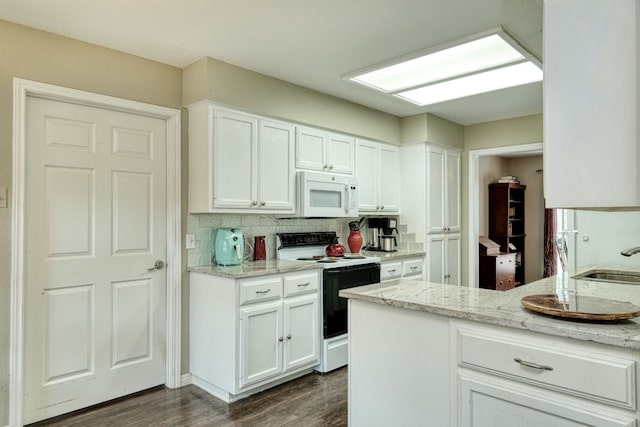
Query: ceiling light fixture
[[482, 63]]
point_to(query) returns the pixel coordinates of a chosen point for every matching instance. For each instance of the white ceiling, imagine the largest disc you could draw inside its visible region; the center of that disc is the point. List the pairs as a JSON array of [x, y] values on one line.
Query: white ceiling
[[307, 42]]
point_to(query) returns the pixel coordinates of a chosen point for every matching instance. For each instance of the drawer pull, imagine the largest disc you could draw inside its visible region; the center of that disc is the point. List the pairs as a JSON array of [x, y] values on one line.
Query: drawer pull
[[263, 292], [391, 271], [413, 268], [533, 365], [302, 285]]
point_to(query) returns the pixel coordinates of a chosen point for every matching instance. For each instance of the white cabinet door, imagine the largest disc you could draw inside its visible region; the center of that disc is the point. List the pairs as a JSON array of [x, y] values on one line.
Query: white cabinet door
[[436, 180], [377, 170], [452, 192], [443, 260], [340, 153], [261, 342], [302, 331], [310, 145], [487, 401], [388, 179], [436, 258], [591, 83], [452, 261], [276, 179], [366, 172], [234, 155]]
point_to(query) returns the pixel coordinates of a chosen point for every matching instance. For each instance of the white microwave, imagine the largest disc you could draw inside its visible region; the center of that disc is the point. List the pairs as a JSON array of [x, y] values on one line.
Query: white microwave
[[327, 195]]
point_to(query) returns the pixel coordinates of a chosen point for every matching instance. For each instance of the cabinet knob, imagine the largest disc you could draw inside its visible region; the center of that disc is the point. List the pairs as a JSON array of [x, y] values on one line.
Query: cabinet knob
[[254, 203], [288, 336], [281, 339], [382, 207], [262, 203], [377, 207], [330, 167]]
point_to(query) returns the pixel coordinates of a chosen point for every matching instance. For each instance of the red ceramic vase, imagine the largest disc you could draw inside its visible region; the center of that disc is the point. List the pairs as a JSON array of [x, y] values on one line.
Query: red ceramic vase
[[355, 242]]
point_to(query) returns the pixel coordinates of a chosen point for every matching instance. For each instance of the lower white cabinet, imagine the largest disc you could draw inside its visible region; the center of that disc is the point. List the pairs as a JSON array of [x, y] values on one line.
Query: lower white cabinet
[[463, 373], [249, 334], [407, 268], [443, 260], [508, 378]]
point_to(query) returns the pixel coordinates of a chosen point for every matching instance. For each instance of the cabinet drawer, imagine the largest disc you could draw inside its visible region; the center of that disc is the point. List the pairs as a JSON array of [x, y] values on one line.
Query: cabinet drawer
[[301, 283], [390, 270], [570, 369], [412, 267], [264, 289]]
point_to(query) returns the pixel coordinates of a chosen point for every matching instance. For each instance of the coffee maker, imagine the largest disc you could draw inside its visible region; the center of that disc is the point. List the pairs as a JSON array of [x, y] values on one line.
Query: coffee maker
[[381, 231]]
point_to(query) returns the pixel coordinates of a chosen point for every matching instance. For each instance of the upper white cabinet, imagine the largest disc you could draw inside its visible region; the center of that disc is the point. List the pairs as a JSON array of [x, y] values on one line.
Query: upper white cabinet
[[377, 170], [591, 108], [324, 151], [443, 189], [239, 162]]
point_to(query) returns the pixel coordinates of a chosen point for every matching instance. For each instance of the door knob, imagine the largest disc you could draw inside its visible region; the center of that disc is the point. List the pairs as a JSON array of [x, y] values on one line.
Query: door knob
[[159, 265]]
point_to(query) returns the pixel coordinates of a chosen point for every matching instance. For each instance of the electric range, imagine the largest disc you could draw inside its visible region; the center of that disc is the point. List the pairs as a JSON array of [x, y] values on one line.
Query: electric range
[[338, 273]]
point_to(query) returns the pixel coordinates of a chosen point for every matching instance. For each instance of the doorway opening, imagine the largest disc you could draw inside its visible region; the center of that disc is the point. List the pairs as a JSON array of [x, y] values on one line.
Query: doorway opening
[[476, 201]]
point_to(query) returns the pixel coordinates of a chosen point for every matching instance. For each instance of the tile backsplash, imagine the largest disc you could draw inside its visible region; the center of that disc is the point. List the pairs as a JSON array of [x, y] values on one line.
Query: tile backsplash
[[203, 226]]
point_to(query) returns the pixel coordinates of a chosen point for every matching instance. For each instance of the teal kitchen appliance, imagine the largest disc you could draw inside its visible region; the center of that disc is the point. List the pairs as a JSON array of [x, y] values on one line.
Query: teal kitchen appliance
[[229, 246]]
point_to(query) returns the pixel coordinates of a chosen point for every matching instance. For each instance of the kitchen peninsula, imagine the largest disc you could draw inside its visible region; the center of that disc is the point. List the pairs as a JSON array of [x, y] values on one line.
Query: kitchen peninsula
[[430, 354]]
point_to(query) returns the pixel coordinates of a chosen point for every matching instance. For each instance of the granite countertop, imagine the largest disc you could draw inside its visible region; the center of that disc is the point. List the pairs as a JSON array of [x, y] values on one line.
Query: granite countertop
[[390, 256], [505, 309], [253, 268]]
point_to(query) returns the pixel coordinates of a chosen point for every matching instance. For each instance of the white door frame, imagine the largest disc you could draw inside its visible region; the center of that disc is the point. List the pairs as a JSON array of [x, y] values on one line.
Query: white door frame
[[474, 198], [21, 90]]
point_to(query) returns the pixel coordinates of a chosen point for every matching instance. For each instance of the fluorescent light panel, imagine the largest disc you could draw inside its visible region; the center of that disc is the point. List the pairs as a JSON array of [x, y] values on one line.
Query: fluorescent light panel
[[449, 73], [474, 84]]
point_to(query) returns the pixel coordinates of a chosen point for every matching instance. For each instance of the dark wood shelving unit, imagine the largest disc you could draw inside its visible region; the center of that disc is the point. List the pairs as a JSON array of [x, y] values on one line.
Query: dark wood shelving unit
[[506, 222]]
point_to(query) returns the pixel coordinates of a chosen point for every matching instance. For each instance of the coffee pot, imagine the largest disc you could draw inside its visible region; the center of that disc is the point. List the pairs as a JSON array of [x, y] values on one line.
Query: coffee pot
[[382, 238]]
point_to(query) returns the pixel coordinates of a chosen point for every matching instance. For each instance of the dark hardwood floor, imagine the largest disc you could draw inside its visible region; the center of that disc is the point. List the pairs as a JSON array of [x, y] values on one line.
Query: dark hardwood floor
[[312, 400]]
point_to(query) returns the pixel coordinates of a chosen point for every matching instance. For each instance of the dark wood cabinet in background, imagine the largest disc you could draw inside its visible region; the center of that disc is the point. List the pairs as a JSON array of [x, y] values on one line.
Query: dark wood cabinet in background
[[498, 271], [506, 222]]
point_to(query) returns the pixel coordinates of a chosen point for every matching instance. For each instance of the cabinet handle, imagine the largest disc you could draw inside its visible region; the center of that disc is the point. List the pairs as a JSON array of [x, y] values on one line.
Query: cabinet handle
[[382, 207], [391, 271], [414, 268], [263, 292], [302, 285], [330, 167], [254, 203], [263, 203], [281, 339], [288, 336], [378, 207], [533, 365]]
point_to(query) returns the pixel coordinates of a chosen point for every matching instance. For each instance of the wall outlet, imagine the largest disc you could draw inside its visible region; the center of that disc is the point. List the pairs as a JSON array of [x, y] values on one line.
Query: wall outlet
[[190, 241], [4, 197]]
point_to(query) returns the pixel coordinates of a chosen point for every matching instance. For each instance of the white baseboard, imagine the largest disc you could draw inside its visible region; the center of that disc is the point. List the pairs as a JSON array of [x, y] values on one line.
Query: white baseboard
[[185, 380]]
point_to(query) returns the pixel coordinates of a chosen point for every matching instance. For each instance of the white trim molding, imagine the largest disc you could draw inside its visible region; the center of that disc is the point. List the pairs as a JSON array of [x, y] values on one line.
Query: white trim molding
[[22, 89], [474, 198]]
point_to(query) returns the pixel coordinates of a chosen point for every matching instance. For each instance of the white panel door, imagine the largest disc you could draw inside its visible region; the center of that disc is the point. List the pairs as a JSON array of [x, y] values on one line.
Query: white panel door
[[234, 151], [301, 320], [95, 223]]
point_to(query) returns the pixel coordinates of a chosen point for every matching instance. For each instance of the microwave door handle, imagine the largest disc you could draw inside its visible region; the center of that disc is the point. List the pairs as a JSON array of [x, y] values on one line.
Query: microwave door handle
[[346, 199]]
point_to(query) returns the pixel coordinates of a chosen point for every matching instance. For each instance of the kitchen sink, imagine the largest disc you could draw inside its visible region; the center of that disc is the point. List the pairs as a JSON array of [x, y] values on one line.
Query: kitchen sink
[[612, 276]]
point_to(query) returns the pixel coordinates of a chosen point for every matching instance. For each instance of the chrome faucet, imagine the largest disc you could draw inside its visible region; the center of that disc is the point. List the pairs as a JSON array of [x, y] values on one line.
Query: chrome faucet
[[630, 251]]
